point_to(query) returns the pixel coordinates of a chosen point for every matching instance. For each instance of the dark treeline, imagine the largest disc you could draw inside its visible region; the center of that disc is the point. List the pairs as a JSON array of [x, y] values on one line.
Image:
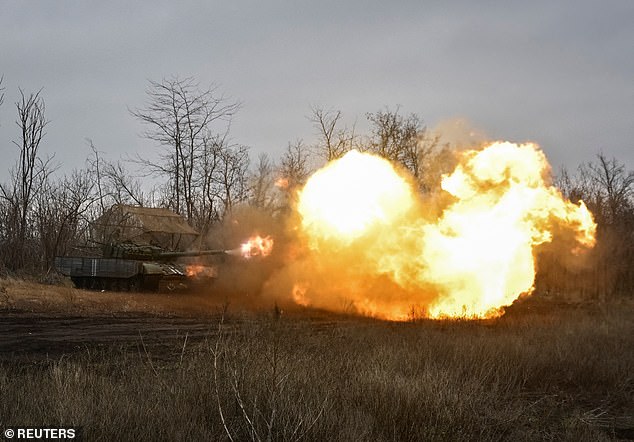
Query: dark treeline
[[205, 177], [607, 188]]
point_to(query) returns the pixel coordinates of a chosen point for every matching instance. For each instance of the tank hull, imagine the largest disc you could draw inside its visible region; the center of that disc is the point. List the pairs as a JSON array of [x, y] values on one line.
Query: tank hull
[[122, 274]]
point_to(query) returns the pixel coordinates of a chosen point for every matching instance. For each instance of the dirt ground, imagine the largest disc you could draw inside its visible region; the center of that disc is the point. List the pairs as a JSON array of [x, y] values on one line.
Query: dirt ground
[[41, 321], [46, 321]]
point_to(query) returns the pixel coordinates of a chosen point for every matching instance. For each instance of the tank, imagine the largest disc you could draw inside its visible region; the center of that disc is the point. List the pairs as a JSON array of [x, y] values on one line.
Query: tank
[[132, 267]]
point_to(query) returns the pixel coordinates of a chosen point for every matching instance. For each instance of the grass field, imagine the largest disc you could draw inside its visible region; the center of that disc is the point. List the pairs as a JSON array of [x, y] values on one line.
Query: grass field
[[543, 371]]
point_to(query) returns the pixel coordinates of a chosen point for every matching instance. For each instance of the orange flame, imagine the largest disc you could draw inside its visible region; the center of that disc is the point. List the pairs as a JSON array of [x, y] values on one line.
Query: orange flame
[[282, 183], [257, 246], [197, 270], [299, 294], [374, 244]]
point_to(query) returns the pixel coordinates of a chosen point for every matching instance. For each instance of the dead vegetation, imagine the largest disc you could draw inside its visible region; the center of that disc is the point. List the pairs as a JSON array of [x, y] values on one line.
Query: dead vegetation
[[541, 372], [20, 295]]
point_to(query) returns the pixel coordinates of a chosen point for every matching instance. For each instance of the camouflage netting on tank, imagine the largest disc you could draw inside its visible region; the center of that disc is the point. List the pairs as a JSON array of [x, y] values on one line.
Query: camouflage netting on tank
[[143, 225]]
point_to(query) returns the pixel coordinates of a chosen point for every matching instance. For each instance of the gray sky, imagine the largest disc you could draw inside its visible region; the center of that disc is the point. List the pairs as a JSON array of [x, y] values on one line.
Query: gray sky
[[560, 73]]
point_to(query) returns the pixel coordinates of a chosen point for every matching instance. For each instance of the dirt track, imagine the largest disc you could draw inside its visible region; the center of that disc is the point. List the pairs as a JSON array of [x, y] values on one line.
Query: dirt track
[[40, 321], [28, 336]]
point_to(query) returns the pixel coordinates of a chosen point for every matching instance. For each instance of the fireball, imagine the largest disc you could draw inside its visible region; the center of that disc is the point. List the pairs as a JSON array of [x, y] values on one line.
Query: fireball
[[351, 196], [257, 246], [373, 246]]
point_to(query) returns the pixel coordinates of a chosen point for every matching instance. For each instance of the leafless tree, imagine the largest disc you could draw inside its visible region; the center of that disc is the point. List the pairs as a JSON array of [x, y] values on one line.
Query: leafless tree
[[294, 165], [27, 177], [113, 182], [59, 218], [608, 190], [563, 181], [121, 187], [181, 117], [334, 141], [263, 184], [390, 132], [405, 141], [612, 186], [95, 166], [293, 171], [232, 177], [209, 207]]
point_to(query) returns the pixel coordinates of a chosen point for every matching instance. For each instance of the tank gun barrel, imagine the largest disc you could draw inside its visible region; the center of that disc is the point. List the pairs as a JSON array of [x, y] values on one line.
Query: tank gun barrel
[[152, 253], [172, 255]]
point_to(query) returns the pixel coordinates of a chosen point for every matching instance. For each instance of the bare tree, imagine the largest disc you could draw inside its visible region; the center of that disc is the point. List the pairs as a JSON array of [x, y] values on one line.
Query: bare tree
[[114, 184], [31, 169], [294, 164], [180, 116], [608, 190], [95, 167], [232, 177], [334, 140], [208, 207], [263, 184], [121, 188], [27, 177], [60, 210], [393, 136], [293, 170], [404, 140], [564, 182], [612, 185]]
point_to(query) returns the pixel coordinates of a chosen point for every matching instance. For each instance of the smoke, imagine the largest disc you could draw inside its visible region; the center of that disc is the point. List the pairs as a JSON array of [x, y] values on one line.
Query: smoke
[[460, 134], [240, 280]]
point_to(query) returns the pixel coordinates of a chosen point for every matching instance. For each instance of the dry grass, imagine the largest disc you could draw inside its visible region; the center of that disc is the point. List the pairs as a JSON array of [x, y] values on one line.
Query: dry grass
[[29, 296], [535, 374]]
